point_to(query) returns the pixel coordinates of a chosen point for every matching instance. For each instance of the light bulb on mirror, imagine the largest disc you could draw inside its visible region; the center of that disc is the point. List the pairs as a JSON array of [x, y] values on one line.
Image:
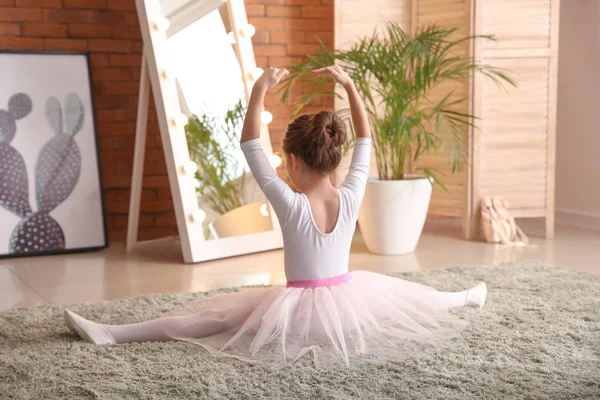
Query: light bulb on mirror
[[248, 31], [275, 160], [162, 24], [231, 38], [198, 215], [264, 210], [256, 73], [180, 120], [190, 168], [266, 117]]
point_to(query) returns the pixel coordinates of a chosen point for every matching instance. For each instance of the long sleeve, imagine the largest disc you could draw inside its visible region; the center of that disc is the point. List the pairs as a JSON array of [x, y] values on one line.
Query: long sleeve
[[356, 180], [279, 194]]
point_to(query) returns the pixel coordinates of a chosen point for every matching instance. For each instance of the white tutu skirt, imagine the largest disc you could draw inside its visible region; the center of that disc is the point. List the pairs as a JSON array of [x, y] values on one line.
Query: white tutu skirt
[[370, 317]]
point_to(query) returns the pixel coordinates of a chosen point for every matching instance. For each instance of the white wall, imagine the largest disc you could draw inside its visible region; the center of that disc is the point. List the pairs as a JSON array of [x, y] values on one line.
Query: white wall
[[578, 125]]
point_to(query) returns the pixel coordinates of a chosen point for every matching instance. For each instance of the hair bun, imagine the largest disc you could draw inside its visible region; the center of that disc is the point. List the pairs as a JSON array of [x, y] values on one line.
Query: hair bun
[[328, 129]]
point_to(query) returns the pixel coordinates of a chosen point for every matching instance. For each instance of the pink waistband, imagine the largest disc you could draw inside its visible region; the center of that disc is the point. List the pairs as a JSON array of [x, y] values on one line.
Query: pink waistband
[[315, 283]]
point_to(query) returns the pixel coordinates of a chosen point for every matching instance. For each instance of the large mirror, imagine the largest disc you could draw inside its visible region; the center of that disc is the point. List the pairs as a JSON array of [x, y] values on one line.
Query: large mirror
[[204, 65]]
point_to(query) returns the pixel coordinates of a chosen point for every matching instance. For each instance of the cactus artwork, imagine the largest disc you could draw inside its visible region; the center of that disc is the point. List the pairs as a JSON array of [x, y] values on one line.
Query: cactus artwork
[[57, 171]]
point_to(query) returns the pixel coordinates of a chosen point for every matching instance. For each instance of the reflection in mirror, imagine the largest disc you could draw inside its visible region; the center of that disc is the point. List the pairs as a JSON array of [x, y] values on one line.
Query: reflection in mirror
[[204, 61]]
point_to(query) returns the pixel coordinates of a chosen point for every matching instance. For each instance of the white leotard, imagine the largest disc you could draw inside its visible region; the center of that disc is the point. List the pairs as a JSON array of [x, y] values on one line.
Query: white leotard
[[309, 253]]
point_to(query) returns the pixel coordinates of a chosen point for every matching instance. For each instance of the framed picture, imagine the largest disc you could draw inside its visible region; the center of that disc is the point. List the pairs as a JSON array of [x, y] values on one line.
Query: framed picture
[[50, 180]]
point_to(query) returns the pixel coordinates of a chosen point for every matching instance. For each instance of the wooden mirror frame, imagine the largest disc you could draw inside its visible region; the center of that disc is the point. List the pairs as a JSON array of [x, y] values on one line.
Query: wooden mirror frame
[[155, 68]]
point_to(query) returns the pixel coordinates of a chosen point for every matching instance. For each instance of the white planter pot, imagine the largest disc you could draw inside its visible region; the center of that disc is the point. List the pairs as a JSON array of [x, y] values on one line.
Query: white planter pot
[[241, 221], [393, 213]]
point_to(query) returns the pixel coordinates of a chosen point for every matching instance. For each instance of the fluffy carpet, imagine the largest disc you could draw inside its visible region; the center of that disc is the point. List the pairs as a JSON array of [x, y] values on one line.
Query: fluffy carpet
[[537, 338]]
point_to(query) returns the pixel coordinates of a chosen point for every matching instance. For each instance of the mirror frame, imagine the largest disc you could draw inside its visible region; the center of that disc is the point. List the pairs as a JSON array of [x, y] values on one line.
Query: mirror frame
[[154, 34]]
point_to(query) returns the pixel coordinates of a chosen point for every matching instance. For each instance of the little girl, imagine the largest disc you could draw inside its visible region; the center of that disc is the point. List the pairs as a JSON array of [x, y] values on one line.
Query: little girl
[[336, 315]]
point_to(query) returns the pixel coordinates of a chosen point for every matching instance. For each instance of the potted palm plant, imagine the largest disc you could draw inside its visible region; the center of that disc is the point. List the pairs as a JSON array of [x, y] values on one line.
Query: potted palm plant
[[396, 75], [213, 145]]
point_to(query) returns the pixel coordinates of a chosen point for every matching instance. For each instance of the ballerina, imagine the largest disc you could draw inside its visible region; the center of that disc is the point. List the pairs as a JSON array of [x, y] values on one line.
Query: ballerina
[[338, 316]]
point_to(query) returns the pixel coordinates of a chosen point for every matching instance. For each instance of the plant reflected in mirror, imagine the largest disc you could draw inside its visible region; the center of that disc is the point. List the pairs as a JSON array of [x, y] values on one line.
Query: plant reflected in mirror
[[214, 146]]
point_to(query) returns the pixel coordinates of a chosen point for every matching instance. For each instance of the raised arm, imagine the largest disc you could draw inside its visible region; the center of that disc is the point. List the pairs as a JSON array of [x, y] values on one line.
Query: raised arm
[[360, 120], [279, 194], [356, 179], [267, 80]]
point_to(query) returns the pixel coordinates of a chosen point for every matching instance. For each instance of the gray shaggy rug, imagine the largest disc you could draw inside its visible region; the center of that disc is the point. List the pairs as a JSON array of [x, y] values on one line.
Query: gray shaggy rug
[[537, 338]]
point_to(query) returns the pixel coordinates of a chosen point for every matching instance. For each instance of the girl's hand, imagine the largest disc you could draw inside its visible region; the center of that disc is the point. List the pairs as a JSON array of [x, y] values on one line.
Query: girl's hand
[[337, 72], [270, 78]]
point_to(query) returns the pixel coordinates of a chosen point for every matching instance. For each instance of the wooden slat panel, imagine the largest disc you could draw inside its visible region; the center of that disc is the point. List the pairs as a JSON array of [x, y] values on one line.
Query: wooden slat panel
[[517, 24], [448, 14], [514, 132], [357, 18]]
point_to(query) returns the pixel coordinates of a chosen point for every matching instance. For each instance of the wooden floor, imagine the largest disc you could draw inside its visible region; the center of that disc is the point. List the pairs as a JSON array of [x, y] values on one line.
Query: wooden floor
[[157, 267]]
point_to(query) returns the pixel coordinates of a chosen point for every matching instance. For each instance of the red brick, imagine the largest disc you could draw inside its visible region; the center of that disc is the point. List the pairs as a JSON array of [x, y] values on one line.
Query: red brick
[[114, 17], [255, 10], [123, 142], [262, 62], [286, 37], [118, 235], [112, 74], [269, 1], [112, 101], [155, 169], [44, 30], [105, 116], [7, 2], [318, 12], [269, 50], [261, 37], [146, 220], [65, 44], [110, 45], [85, 4], [300, 49], [127, 32], [117, 129], [303, 24], [268, 24], [128, 5], [39, 3], [327, 2], [158, 205], [166, 220], [90, 17], [284, 11], [164, 193], [21, 14], [124, 60], [155, 155], [149, 194], [302, 2], [137, 47], [90, 31], [10, 29], [279, 62], [314, 37], [99, 60], [106, 143], [119, 88], [18, 43]]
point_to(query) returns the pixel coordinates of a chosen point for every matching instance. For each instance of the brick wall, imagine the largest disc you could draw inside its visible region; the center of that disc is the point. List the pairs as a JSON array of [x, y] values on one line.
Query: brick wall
[[108, 29], [286, 31]]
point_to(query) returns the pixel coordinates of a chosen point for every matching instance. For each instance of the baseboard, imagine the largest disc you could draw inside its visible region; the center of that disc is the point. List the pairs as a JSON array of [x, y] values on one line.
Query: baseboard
[[578, 218]]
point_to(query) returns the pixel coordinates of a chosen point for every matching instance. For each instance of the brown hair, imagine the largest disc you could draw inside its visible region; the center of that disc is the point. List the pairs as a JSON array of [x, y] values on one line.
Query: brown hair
[[316, 139]]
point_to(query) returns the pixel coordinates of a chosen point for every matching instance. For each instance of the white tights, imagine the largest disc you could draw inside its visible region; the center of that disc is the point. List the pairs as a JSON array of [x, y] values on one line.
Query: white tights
[[154, 330]]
